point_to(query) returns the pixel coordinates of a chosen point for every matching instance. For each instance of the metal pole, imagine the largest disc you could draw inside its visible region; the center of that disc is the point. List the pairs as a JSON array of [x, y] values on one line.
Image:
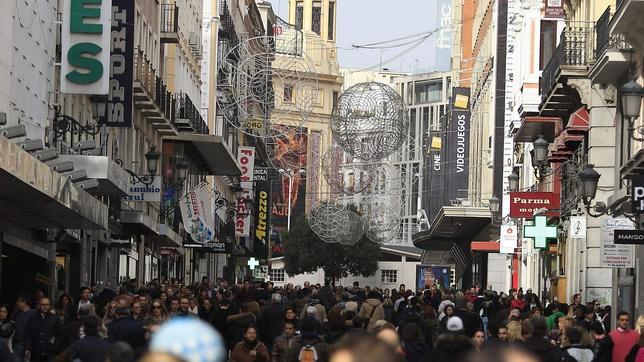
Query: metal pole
[[290, 186]]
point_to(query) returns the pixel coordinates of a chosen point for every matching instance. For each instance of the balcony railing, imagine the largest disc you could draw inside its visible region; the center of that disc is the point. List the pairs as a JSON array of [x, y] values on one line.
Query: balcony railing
[[169, 18], [606, 40], [155, 87], [188, 117], [576, 48]]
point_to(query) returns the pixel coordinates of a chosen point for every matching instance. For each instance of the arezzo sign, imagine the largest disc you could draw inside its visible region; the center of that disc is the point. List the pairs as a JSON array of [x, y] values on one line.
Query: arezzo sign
[[525, 204]]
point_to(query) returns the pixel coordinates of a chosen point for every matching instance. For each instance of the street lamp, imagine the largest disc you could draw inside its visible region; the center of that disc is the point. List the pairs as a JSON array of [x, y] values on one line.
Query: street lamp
[[152, 157], [540, 150], [289, 173], [589, 179], [495, 207], [631, 95], [513, 181]]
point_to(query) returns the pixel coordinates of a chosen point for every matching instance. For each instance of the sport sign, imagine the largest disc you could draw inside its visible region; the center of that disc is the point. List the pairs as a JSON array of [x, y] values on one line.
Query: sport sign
[[525, 204], [85, 40]]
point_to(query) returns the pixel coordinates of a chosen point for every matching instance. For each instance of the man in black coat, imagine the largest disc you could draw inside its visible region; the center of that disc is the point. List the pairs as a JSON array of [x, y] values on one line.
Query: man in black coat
[[471, 321], [42, 333], [126, 329], [270, 323], [91, 348], [538, 344]]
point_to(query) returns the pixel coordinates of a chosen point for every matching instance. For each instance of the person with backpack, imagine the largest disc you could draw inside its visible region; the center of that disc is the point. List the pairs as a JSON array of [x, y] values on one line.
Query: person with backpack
[[372, 310], [310, 347], [250, 349], [413, 314]]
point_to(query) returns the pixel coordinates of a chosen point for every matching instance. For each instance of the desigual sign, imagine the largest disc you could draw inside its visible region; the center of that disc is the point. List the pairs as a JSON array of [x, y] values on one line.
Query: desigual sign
[[85, 40], [525, 204]]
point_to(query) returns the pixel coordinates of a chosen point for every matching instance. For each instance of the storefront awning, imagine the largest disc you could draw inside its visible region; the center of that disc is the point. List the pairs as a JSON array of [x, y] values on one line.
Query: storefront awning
[[216, 158], [453, 223], [485, 246], [34, 196], [579, 121], [139, 222], [533, 126]]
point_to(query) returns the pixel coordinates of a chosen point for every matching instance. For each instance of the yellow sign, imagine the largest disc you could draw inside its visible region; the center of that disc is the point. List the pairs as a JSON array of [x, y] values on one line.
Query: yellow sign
[[436, 142], [461, 101]]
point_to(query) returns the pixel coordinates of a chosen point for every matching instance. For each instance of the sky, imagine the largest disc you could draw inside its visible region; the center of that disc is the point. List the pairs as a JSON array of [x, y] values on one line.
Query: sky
[[367, 21]]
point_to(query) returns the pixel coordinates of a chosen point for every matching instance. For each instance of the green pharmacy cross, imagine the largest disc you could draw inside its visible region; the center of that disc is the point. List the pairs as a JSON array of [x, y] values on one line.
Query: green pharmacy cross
[[540, 232], [252, 263]]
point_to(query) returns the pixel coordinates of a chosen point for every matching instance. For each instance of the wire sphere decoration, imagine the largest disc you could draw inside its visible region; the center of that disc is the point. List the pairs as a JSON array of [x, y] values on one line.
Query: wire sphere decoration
[[382, 207], [328, 221], [257, 84], [344, 174], [370, 121], [353, 232]]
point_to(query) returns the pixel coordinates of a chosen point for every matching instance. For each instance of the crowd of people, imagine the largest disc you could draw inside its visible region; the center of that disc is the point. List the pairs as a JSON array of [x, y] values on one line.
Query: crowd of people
[[215, 321]]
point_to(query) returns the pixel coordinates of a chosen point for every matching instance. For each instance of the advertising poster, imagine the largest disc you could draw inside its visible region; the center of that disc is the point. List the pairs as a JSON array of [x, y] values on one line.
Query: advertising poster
[[262, 212], [457, 148], [290, 153], [508, 239], [613, 255], [428, 275]]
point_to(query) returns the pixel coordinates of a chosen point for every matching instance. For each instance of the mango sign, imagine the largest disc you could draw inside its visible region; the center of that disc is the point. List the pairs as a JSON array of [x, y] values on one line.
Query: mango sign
[[85, 41]]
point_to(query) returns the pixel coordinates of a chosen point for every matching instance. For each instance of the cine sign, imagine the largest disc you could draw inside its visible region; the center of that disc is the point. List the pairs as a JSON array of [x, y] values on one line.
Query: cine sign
[[85, 41], [637, 193]]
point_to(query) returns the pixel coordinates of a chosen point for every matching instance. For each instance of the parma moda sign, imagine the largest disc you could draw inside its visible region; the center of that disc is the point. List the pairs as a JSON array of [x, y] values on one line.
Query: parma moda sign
[[85, 41], [525, 204]]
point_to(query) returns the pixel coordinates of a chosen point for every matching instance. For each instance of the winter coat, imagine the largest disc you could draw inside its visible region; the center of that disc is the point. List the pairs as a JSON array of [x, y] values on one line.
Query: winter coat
[[241, 353], [90, 349], [236, 327], [320, 311], [579, 353], [372, 310], [42, 335], [543, 349], [518, 304], [415, 351], [127, 330], [271, 322], [602, 349], [282, 346]]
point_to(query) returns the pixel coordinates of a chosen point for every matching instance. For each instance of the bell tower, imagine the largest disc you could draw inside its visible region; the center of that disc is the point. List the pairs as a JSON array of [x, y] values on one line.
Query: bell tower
[[314, 16]]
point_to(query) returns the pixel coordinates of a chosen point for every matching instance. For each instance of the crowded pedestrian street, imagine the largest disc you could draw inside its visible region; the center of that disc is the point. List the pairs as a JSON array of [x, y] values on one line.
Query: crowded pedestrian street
[[321, 181]]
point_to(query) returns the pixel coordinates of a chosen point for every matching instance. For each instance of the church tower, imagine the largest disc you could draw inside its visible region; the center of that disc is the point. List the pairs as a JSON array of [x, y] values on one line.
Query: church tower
[[314, 16]]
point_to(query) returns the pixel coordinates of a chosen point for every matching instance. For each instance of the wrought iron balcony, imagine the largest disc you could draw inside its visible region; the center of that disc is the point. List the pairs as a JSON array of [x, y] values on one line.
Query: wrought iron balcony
[[151, 95], [571, 59], [612, 53], [169, 23], [188, 118]]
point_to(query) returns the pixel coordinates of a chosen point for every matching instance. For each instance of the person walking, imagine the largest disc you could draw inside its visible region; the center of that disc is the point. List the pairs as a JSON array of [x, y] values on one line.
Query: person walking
[[90, 348], [283, 344], [414, 346], [623, 337], [20, 317], [372, 310], [250, 349], [270, 321], [42, 333]]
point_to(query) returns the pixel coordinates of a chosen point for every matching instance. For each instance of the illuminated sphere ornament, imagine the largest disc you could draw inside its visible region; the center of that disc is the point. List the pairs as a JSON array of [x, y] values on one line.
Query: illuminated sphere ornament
[[353, 232], [329, 221], [370, 121], [344, 174]]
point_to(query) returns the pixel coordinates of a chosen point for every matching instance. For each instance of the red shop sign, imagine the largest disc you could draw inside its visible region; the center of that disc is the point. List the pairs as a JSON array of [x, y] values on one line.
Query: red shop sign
[[523, 204]]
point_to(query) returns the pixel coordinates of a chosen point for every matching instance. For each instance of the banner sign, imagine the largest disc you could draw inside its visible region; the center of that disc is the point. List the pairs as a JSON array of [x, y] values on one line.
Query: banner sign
[[524, 204], [458, 145], [118, 109], [445, 38], [435, 178], [216, 247], [613, 255], [554, 9], [577, 227], [262, 212], [246, 159], [629, 237], [508, 239], [428, 275], [290, 153], [260, 174], [142, 192], [85, 42], [196, 213], [121, 241], [637, 193]]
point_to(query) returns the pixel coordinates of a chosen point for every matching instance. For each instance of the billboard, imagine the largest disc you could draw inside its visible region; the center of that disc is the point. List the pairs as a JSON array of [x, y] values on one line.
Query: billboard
[[428, 275], [246, 159], [262, 211], [456, 149]]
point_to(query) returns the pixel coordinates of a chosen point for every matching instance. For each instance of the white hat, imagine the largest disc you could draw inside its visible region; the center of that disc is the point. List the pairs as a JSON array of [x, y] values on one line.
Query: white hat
[[454, 324]]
